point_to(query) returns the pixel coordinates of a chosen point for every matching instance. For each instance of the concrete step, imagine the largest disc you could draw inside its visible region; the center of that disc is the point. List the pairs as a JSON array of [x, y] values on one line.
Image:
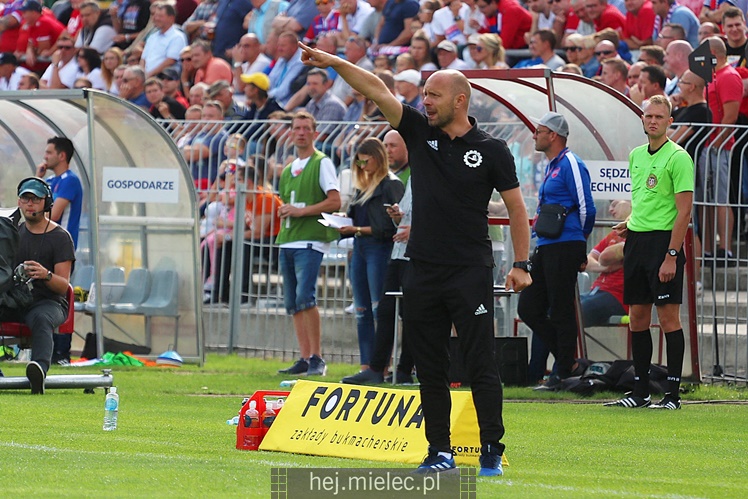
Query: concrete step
[[730, 305], [725, 278]]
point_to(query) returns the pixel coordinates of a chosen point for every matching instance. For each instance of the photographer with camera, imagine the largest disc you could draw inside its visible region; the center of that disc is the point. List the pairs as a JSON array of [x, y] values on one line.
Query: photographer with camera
[[44, 260]]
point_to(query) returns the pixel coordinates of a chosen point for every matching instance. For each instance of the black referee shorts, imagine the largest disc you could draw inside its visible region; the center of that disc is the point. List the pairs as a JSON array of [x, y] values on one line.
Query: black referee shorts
[[643, 255]]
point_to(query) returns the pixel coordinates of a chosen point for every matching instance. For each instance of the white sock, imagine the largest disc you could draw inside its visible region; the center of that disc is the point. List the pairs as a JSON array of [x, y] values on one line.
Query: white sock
[[447, 455]]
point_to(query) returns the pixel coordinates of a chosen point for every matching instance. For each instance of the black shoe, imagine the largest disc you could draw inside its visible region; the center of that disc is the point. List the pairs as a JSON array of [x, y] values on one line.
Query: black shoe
[[403, 378], [631, 401], [299, 368], [59, 359], [365, 377], [725, 259], [669, 402], [35, 374], [552, 384], [317, 366]]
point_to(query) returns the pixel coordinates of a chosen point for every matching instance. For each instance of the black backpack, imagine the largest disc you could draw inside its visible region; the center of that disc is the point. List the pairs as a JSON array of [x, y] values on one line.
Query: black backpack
[[15, 294]]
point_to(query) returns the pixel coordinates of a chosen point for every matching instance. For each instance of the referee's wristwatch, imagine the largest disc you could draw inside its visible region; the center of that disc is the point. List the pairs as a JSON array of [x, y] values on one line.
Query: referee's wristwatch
[[525, 265], [672, 252]]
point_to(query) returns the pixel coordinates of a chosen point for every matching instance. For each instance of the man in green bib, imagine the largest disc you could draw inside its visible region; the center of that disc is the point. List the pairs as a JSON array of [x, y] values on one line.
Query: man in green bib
[[308, 186], [662, 183]]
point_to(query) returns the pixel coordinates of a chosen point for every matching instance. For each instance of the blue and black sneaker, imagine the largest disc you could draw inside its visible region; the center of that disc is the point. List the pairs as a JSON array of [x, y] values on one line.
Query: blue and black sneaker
[[490, 461], [436, 463]]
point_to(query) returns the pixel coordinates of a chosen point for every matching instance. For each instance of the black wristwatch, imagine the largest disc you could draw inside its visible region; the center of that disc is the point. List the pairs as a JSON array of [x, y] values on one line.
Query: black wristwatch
[[672, 252], [525, 265]]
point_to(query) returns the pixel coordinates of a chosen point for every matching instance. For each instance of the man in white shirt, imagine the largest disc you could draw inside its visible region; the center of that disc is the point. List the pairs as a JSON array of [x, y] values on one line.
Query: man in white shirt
[[10, 72], [63, 70], [162, 48], [355, 52], [446, 54], [248, 59], [450, 22], [353, 13]]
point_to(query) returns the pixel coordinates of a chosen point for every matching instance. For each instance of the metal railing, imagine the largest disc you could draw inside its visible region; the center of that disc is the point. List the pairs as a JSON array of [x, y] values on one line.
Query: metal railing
[[253, 319]]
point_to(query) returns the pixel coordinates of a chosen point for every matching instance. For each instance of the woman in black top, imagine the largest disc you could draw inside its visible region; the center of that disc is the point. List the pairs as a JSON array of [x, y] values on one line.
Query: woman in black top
[[373, 229]]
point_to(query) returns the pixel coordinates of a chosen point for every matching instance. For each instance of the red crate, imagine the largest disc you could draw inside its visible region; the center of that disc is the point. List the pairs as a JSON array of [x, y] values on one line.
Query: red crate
[[249, 437]]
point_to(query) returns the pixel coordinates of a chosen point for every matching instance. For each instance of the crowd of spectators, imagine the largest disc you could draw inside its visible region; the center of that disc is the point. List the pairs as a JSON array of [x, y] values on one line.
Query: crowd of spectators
[[190, 42], [239, 60]]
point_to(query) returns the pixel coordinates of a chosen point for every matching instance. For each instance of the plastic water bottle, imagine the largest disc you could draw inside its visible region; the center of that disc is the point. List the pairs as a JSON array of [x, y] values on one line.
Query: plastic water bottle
[[288, 383], [252, 416], [268, 417], [111, 406]]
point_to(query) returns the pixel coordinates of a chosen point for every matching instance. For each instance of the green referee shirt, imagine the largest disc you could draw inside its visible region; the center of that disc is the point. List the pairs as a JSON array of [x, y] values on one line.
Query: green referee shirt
[[655, 179]]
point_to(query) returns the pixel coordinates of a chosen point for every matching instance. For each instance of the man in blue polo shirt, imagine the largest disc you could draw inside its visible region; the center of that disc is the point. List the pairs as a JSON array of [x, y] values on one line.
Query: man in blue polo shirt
[[67, 196], [67, 192]]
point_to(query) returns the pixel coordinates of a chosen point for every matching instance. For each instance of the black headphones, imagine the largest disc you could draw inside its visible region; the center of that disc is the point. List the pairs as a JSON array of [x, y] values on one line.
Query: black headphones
[[48, 203]]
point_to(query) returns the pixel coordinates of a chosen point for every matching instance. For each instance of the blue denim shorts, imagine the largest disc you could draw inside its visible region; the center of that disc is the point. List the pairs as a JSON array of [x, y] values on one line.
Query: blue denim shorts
[[300, 268]]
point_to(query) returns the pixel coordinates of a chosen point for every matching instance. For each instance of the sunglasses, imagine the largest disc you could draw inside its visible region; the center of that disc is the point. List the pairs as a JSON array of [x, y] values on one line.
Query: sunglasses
[[572, 49], [361, 162], [188, 59], [604, 52], [477, 48]]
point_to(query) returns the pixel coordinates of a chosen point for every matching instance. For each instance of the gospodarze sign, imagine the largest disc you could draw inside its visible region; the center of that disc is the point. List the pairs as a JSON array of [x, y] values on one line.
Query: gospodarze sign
[[140, 185]]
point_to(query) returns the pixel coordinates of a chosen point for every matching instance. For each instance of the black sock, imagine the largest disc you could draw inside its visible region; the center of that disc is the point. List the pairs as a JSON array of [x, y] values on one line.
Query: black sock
[[676, 349], [641, 350]]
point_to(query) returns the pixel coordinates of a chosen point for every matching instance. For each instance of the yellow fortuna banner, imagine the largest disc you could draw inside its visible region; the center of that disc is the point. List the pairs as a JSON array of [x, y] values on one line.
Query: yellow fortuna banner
[[362, 422]]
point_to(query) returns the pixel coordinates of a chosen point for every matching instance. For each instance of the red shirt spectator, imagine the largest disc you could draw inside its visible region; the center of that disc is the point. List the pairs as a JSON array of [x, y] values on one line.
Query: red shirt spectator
[[727, 87], [743, 72], [216, 69], [639, 25], [38, 34], [611, 282], [604, 15], [13, 19], [74, 23], [508, 19], [210, 69]]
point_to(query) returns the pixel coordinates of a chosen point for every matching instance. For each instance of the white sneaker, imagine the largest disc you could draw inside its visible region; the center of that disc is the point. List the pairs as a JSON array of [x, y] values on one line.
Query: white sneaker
[[350, 309], [699, 288]]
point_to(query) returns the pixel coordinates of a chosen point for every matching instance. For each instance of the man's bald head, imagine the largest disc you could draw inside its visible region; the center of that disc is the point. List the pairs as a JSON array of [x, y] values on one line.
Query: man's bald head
[[717, 47], [456, 81]]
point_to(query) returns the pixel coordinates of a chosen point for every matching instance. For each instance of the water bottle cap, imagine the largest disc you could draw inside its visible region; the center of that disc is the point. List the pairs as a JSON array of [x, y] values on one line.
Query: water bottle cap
[[252, 404], [113, 389]]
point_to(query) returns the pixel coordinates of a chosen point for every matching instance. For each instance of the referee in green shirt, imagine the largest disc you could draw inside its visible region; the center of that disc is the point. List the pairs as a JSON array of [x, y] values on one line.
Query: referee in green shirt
[[662, 183]]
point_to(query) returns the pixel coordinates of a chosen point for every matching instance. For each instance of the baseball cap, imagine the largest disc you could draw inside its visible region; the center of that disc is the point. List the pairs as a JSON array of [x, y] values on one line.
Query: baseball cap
[[31, 5], [216, 87], [554, 122], [169, 74], [8, 58], [473, 39], [34, 186], [410, 76], [259, 80], [447, 45]]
